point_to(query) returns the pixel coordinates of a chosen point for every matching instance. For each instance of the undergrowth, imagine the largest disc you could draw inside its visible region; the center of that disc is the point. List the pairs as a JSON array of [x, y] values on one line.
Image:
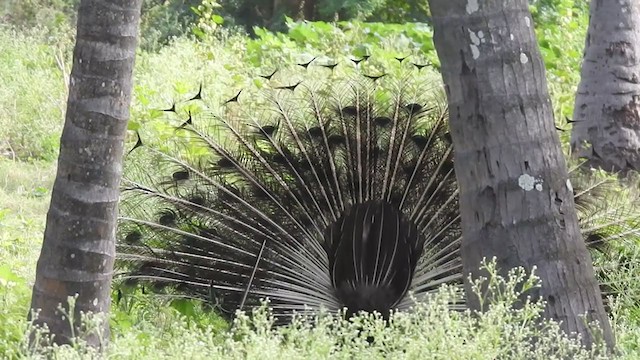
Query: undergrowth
[[431, 331]]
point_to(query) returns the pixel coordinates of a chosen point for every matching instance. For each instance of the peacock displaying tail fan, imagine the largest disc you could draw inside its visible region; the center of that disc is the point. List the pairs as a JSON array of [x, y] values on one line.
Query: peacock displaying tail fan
[[330, 194]]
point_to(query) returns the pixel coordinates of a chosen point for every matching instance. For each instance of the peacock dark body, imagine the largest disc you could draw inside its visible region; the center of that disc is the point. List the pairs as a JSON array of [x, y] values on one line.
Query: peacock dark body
[[342, 194]]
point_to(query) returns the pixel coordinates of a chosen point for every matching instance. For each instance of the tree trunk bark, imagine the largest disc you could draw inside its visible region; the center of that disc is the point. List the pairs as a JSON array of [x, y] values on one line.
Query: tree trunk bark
[[310, 10], [78, 252], [516, 201], [607, 109]]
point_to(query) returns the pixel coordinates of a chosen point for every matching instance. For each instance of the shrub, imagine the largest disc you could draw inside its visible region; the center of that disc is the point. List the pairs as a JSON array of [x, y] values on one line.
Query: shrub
[[431, 331]]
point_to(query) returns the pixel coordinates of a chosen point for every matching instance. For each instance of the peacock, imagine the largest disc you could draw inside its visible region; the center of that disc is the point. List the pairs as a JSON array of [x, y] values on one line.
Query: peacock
[[330, 187]]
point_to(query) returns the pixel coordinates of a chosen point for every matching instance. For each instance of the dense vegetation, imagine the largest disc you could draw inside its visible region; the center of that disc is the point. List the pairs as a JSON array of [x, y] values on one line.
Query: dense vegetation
[[181, 48]]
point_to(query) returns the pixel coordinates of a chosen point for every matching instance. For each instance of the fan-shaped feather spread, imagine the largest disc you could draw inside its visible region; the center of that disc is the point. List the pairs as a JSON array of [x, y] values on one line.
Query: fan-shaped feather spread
[[341, 194]]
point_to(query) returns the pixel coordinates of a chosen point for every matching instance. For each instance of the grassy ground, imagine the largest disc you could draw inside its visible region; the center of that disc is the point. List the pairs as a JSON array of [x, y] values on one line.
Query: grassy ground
[[24, 199]]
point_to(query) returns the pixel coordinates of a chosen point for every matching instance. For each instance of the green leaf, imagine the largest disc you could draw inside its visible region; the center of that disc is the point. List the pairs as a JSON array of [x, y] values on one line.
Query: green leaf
[[184, 307], [545, 44], [217, 19], [133, 125], [7, 275]]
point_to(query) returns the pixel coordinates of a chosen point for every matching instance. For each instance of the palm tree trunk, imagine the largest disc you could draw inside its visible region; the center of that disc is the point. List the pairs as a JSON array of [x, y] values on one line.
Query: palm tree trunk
[[516, 201], [607, 109], [78, 252]]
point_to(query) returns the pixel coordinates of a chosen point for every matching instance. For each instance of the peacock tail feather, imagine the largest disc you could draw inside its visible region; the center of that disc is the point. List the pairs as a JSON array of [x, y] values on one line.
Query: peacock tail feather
[[318, 194]]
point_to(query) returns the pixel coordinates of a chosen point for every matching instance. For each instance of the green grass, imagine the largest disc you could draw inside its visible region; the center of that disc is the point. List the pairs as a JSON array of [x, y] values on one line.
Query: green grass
[[33, 96], [432, 331], [24, 199]]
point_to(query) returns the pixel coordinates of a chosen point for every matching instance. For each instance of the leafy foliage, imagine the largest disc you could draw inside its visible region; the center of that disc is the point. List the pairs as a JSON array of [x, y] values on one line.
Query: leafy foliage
[[561, 32], [50, 14], [397, 11], [162, 21], [555, 11]]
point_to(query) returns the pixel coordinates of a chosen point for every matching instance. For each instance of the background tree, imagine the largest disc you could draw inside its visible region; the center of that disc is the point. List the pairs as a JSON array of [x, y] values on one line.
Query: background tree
[[516, 202], [78, 252], [607, 109]]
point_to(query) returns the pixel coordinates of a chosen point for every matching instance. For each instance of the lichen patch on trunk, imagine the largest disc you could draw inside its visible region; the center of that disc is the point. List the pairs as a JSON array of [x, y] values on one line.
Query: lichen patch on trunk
[[528, 182]]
